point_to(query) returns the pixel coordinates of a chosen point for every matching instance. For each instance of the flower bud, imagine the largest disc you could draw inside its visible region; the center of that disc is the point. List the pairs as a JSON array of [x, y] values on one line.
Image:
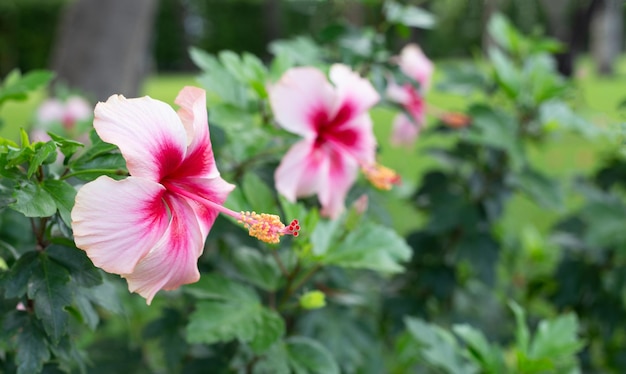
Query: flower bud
[[313, 300]]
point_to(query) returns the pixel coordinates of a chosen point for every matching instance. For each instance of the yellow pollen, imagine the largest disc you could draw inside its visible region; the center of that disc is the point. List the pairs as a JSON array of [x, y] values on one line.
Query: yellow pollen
[[265, 227], [381, 176]]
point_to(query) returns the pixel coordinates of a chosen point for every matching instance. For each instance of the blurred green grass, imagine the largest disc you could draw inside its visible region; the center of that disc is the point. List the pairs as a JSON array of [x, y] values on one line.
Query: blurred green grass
[[596, 97]]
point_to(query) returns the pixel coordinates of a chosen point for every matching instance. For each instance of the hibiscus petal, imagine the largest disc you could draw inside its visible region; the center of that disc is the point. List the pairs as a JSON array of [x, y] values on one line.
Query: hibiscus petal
[[117, 222], [173, 261], [148, 132], [337, 173], [404, 131], [200, 161], [212, 189], [352, 88], [397, 93], [298, 97], [362, 145], [416, 65], [50, 111], [298, 172]]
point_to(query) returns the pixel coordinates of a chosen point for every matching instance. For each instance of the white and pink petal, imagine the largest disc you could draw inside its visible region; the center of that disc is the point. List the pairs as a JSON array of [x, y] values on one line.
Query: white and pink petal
[[404, 131], [118, 222], [197, 191], [414, 63], [301, 99], [172, 262], [148, 132], [298, 172], [337, 174], [352, 90]]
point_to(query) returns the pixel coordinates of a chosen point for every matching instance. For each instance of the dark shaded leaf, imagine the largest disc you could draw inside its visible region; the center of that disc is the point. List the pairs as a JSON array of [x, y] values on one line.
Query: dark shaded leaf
[[49, 289]]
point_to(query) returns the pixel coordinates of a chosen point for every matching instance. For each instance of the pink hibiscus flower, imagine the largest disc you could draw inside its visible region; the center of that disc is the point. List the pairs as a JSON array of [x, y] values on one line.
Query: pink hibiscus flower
[[337, 134], [416, 66], [151, 227], [68, 113]]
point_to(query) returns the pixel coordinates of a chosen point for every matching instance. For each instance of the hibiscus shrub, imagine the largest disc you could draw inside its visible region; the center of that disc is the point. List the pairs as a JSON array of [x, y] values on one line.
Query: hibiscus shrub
[[183, 209]]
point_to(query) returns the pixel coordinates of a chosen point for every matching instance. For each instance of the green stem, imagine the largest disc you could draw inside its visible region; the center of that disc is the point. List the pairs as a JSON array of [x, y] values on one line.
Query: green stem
[[10, 248], [282, 267], [292, 286], [306, 277]]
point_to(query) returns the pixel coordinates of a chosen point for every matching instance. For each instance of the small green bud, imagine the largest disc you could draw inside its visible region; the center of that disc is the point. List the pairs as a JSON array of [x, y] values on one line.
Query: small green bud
[[313, 300]]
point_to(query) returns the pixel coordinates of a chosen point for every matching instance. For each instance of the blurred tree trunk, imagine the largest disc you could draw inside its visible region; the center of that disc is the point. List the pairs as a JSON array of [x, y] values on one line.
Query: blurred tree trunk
[[560, 28], [102, 46], [569, 22], [606, 35]]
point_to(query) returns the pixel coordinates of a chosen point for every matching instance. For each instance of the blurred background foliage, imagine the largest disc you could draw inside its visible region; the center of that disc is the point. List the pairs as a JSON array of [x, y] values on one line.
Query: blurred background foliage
[[28, 27]]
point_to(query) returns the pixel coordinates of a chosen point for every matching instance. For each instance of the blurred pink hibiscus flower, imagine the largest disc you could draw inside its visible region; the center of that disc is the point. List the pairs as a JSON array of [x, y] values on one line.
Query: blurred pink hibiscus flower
[[151, 227], [62, 117], [416, 66], [336, 131], [67, 113]]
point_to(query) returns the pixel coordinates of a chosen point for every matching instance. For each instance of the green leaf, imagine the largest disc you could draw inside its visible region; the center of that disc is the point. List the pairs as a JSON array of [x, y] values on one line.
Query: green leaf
[[480, 250], [49, 289], [507, 37], [408, 15], [309, 356], [32, 200], [79, 265], [44, 153], [258, 269], [544, 190], [106, 296], [24, 140], [496, 129], [16, 281], [32, 349], [522, 335], [557, 339], [214, 322], [217, 287], [274, 360], [67, 146], [487, 356], [166, 330], [248, 69], [260, 197], [4, 142], [18, 86], [439, 348], [541, 79], [63, 195], [220, 84], [557, 114], [280, 64], [507, 75], [300, 50], [98, 148], [235, 313], [85, 308], [370, 246], [326, 234], [268, 329]]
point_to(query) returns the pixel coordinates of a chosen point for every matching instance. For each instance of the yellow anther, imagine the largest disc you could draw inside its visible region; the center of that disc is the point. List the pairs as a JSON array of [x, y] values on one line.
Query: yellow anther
[[381, 176], [265, 227]]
